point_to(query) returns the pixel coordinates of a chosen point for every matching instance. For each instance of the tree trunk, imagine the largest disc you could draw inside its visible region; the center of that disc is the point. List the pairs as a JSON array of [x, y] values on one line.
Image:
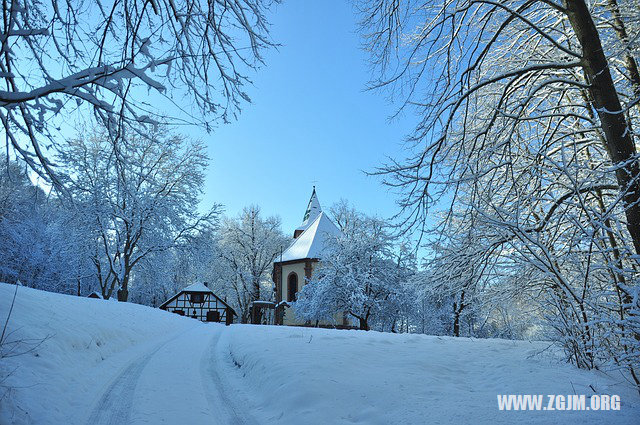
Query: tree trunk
[[457, 311], [364, 326], [629, 61], [256, 289], [123, 292], [456, 320], [606, 102]]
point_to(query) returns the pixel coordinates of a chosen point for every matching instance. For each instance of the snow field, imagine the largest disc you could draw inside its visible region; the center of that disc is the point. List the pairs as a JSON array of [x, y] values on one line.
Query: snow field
[[118, 363], [320, 376]]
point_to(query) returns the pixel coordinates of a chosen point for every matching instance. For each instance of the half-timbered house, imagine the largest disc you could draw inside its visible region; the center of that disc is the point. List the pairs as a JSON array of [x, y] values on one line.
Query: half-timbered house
[[199, 302]]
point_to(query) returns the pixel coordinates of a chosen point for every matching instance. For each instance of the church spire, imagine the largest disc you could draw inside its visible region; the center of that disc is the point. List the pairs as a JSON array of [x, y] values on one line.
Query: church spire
[[312, 212], [313, 208]]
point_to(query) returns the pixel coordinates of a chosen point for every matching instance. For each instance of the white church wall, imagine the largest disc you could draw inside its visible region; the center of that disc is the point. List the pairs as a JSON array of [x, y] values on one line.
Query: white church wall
[[298, 269], [290, 315]]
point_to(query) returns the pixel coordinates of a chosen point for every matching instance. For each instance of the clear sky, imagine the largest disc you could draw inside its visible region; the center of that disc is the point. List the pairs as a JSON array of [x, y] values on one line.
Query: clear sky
[[310, 120]]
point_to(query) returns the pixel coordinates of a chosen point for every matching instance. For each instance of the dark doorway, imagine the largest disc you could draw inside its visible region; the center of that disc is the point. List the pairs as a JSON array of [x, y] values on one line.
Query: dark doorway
[[213, 316]]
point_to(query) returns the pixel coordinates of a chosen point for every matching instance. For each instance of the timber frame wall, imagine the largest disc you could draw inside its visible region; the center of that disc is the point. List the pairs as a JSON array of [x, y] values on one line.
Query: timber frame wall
[[182, 304]]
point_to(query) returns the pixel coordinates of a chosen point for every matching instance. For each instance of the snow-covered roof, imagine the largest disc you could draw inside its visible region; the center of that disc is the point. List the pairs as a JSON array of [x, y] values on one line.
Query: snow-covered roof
[[311, 243], [196, 287], [312, 212]]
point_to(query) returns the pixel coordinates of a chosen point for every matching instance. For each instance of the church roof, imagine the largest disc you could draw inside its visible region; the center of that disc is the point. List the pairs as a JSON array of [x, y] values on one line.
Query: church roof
[[312, 212], [311, 243]]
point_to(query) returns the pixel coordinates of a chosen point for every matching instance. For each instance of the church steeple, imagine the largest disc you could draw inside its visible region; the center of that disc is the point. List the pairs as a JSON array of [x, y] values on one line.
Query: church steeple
[[313, 210]]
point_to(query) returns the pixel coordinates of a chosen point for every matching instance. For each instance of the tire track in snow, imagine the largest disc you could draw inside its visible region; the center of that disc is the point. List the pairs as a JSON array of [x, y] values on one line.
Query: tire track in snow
[[215, 390], [114, 407]]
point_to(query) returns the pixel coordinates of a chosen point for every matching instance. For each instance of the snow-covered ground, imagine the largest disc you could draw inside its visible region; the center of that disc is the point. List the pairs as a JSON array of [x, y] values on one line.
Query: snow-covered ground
[[105, 362]]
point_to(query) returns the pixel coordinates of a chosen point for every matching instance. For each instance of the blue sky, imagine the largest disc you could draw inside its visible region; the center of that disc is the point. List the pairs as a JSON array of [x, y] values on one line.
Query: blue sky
[[310, 121]]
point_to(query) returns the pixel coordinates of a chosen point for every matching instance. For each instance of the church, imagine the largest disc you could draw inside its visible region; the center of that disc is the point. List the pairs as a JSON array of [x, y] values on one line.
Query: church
[[294, 267]]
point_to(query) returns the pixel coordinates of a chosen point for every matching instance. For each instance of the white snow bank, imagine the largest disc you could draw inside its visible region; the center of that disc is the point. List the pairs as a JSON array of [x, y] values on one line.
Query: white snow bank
[[318, 376], [85, 340], [277, 375]]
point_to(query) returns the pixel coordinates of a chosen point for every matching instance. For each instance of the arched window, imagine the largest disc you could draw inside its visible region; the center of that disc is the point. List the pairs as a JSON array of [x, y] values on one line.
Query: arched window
[[292, 286]]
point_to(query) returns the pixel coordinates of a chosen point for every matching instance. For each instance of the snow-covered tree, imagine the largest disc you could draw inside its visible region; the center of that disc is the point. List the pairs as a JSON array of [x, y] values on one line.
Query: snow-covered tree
[[358, 275], [488, 76], [38, 236], [248, 246], [136, 198], [528, 111], [199, 260], [111, 59]]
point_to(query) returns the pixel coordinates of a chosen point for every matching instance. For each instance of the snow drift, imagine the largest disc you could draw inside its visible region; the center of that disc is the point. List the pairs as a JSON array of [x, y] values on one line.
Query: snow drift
[[73, 348]]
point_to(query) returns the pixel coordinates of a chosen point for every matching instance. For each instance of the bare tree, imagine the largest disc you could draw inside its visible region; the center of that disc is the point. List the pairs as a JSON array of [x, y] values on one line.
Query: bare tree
[[520, 58], [527, 115], [104, 57], [248, 245]]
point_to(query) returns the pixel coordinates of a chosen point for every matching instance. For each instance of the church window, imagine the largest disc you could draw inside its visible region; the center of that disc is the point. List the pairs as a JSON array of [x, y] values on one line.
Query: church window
[[292, 287]]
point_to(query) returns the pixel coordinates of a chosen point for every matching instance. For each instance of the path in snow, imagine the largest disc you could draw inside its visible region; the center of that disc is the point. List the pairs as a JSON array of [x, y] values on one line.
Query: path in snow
[[114, 406], [177, 381], [220, 400]]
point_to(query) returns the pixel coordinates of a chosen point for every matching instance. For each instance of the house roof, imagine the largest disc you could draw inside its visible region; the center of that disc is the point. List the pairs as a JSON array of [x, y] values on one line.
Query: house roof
[[95, 294], [196, 287], [199, 288], [313, 240]]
